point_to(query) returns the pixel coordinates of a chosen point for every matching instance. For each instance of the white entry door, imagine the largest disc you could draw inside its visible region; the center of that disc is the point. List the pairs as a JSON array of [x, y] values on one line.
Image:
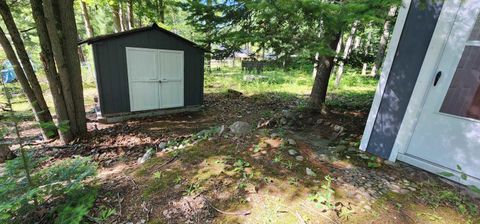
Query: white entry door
[[155, 78], [447, 134]]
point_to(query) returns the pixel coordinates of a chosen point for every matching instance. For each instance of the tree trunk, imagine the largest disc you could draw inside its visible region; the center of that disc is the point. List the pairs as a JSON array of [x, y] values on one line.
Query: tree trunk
[[324, 70], [69, 28], [22, 79], [116, 17], [123, 17], [86, 19], [130, 14], [161, 9], [57, 40], [49, 66], [30, 82], [346, 51], [383, 43]]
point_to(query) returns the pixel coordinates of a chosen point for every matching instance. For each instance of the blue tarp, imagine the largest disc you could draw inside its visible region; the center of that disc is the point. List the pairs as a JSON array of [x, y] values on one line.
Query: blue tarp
[[8, 75]]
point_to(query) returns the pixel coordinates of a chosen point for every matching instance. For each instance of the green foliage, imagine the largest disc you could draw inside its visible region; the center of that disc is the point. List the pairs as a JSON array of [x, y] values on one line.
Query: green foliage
[[62, 179], [239, 166], [372, 162], [434, 196], [325, 197], [192, 188], [78, 204], [105, 213]]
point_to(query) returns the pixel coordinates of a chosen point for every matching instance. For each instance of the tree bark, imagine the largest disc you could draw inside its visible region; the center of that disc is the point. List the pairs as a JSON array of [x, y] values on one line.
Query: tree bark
[[22, 79], [69, 28], [49, 66], [130, 14], [57, 40], [116, 17], [161, 9], [382, 46], [86, 19], [39, 105], [324, 70], [346, 52], [123, 17]]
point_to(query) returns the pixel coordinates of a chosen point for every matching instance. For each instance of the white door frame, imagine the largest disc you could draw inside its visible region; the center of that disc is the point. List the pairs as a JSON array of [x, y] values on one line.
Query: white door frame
[[420, 93]]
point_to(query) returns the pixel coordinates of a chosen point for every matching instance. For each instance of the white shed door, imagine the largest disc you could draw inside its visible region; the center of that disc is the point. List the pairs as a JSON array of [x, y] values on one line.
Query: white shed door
[[171, 73], [448, 130], [143, 79], [155, 78]]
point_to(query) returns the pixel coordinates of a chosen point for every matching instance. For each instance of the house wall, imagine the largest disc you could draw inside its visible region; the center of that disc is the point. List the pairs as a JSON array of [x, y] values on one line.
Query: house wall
[[414, 41], [111, 68]]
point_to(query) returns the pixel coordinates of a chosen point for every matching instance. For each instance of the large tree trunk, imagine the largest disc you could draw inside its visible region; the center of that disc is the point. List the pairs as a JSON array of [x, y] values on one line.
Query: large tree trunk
[[29, 79], [50, 68], [346, 51], [57, 41], [69, 28], [383, 42], [324, 70], [86, 19]]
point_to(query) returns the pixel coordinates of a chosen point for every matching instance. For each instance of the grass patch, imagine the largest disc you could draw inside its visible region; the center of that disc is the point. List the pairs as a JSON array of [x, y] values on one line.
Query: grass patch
[[355, 91]]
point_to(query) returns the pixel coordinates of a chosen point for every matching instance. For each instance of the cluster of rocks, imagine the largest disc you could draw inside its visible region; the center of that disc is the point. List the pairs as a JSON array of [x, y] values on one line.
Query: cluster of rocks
[[368, 184], [289, 118], [292, 152], [238, 128]]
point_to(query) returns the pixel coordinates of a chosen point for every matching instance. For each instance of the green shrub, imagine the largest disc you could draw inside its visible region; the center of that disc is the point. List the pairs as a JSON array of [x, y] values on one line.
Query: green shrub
[[23, 191]]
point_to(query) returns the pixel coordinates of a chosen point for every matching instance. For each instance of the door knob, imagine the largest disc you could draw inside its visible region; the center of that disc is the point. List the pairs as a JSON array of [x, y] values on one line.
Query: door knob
[[437, 77]]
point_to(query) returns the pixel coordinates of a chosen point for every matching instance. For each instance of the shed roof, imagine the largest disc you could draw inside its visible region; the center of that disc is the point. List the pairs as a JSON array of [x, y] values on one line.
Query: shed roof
[[154, 26]]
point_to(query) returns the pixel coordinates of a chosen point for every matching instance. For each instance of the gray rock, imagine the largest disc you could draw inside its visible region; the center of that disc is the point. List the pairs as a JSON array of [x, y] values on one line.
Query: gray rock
[[291, 141], [288, 114], [299, 158], [148, 155], [319, 121], [274, 135], [162, 145], [292, 152], [340, 147], [283, 121], [310, 172], [323, 157], [338, 128], [240, 128]]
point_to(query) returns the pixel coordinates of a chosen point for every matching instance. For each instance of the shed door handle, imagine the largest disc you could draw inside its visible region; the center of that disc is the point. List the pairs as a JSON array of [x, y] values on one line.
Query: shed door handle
[[437, 77]]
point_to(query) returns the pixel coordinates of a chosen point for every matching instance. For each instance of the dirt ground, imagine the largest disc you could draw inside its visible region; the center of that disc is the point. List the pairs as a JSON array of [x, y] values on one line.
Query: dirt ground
[[280, 171]]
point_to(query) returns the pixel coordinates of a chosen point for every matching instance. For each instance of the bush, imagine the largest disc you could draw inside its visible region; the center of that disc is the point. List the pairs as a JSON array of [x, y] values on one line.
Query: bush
[[22, 191]]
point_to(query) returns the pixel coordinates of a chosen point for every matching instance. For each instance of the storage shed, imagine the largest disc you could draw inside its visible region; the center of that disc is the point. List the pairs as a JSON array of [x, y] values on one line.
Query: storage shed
[[146, 71], [426, 111]]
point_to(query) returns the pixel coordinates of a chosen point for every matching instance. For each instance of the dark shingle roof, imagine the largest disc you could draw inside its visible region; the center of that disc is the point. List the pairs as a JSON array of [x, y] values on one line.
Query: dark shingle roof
[[137, 30]]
